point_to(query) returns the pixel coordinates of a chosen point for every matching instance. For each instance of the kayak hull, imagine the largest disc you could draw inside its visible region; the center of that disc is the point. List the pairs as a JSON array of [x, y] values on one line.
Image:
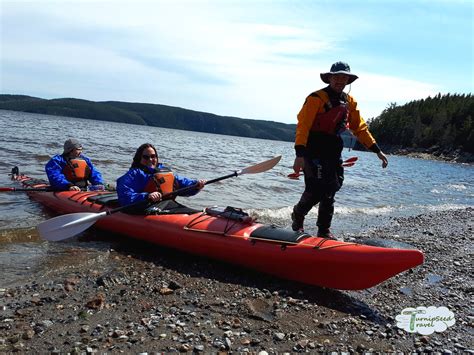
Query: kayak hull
[[304, 258]]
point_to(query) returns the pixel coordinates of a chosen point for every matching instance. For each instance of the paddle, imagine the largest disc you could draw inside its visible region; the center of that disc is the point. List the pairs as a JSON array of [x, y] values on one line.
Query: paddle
[[67, 226], [346, 163], [14, 189]]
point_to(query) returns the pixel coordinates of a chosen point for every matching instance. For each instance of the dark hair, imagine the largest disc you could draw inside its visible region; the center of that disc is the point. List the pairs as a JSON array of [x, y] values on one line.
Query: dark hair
[[138, 154]]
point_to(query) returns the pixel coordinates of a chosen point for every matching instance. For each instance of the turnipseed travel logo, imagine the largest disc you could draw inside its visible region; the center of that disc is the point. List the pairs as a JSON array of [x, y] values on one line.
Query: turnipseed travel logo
[[424, 320]]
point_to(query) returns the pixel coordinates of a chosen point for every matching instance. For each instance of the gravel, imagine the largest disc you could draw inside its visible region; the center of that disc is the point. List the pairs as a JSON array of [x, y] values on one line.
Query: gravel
[[142, 298]]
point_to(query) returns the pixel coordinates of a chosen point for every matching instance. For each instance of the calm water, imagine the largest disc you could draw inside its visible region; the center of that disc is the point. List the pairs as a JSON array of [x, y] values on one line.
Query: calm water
[[369, 197]]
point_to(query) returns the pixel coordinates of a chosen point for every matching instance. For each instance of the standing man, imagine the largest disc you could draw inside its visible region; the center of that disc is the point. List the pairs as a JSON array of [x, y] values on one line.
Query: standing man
[[325, 114], [72, 170]]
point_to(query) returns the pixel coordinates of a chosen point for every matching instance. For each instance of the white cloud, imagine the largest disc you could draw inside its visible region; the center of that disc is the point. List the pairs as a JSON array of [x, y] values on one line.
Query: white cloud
[[375, 92], [255, 62]]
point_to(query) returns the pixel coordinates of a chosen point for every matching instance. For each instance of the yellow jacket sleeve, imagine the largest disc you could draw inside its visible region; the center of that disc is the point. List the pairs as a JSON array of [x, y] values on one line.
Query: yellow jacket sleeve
[[357, 124], [306, 116]]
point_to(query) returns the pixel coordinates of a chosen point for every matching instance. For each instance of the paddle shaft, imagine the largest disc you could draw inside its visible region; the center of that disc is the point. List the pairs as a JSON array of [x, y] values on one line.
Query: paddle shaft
[[346, 163], [14, 189], [174, 193]]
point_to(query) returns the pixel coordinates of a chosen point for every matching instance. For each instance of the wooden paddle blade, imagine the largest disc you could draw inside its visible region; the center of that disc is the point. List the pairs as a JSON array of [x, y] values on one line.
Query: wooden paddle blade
[[260, 167], [68, 225]]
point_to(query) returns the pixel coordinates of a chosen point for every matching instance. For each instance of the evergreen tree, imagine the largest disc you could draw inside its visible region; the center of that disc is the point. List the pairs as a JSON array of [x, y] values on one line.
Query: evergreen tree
[[444, 121]]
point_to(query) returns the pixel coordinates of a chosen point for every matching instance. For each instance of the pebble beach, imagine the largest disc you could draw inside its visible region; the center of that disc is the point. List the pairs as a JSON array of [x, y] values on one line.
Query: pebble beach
[[136, 298]]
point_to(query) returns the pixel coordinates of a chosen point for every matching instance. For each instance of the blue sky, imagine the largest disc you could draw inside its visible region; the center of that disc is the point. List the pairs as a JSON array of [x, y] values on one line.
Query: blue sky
[[251, 59]]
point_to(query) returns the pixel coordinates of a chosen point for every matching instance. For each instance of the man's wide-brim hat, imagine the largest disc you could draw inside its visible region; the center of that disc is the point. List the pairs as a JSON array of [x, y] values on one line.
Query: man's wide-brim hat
[[339, 68]]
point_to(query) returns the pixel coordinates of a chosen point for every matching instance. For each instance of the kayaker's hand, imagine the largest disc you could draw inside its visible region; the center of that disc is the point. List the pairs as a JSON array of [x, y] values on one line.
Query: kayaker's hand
[[155, 196], [298, 165], [383, 158], [200, 184], [74, 188]]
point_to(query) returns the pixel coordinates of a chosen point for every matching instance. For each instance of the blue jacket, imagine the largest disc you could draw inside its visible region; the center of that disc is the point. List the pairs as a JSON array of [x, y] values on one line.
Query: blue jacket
[[130, 186], [54, 170]]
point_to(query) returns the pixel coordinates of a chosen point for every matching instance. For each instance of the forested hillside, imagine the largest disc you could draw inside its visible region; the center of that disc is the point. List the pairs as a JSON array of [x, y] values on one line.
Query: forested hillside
[[438, 125], [442, 125], [151, 115]]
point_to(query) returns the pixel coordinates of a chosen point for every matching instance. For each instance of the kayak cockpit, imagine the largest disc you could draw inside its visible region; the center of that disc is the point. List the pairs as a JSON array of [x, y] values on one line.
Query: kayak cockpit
[[277, 235]]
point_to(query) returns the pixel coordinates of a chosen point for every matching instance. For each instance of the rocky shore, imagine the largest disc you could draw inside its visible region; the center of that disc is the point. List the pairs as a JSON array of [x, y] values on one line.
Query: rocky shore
[[136, 298], [434, 153]]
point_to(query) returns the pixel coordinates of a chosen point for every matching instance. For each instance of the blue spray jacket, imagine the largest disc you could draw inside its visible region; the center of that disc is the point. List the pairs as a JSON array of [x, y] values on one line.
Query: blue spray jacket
[[131, 186], [55, 167]]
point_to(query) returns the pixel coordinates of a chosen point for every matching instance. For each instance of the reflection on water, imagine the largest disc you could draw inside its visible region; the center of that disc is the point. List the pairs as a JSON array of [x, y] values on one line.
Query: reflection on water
[[370, 197]]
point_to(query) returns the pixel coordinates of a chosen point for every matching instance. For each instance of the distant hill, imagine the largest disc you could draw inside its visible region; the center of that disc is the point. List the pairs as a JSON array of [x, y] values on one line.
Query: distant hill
[[439, 126], [151, 115]]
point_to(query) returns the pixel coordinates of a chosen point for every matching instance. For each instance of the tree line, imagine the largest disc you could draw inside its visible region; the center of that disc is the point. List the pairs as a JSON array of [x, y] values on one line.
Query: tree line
[[442, 122]]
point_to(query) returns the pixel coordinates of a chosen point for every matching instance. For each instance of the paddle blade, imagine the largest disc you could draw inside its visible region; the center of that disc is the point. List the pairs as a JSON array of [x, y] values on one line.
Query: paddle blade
[[351, 160], [6, 189], [261, 167], [294, 176], [68, 225]]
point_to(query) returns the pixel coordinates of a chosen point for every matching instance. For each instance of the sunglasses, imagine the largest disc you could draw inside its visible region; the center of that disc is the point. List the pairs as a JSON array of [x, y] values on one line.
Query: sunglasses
[[149, 157]]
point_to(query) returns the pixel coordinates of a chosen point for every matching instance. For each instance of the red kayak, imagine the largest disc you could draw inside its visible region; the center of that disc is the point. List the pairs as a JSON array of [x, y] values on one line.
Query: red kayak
[[231, 235]]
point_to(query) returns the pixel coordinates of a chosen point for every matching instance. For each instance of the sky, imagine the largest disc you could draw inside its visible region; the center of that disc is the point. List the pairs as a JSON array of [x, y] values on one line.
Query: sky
[[253, 59]]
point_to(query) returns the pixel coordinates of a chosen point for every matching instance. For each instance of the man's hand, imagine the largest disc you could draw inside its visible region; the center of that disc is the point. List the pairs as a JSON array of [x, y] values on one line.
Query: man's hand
[[74, 188], [298, 165], [155, 196], [383, 158]]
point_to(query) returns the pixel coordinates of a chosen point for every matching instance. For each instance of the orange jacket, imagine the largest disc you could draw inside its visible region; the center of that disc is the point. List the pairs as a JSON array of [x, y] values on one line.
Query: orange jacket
[[315, 105]]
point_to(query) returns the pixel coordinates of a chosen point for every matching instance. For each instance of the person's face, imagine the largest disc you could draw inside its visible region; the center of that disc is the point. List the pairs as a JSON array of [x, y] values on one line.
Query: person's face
[[338, 82], [149, 158], [75, 152]]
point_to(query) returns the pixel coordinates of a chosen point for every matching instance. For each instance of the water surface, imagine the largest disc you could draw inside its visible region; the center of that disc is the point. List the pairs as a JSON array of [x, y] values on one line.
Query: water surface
[[370, 195]]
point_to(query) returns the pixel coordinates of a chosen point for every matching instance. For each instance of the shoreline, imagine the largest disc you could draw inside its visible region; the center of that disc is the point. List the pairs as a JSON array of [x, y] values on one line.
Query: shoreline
[[433, 153], [136, 297]]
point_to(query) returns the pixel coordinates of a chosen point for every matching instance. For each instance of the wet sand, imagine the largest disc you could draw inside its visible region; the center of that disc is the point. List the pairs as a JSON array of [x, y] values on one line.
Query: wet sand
[[135, 297]]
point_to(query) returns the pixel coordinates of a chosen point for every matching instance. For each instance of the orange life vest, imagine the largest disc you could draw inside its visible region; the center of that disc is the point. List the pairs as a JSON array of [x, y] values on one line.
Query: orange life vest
[[77, 171], [334, 120], [162, 181]]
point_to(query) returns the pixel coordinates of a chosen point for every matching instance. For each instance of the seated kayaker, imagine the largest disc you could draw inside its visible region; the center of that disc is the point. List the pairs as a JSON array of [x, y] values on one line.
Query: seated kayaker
[[149, 180], [72, 170]]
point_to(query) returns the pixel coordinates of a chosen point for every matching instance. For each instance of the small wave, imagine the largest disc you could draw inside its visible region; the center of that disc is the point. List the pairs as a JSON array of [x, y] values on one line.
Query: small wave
[[271, 215], [282, 215], [367, 210], [451, 187], [456, 187], [42, 158], [444, 207]]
